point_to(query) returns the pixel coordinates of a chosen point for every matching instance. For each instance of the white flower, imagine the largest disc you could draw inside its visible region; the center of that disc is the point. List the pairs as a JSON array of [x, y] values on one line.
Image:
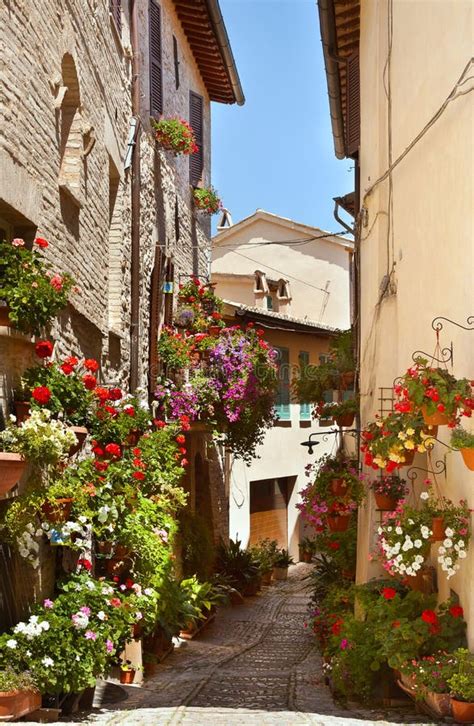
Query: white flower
[[462, 554], [461, 543], [398, 530], [44, 625], [424, 495], [47, 661], [448, 542], [448, 532], [101, 615], [442, 550], [12, 643], [418, 543]]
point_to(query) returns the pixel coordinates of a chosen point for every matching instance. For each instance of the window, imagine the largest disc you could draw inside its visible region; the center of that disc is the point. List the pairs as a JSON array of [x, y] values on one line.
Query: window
[[283, 292], [176, 62], [115, 9], [196, 160], [156, 76], [176, 219], [70, 174], [261, 284], [282, 405], [269, 301], [305, 408], [115, 248]]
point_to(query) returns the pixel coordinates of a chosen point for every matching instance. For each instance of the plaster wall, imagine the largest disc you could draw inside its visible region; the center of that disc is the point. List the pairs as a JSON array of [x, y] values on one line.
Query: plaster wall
[[421, 233], [318, 271]]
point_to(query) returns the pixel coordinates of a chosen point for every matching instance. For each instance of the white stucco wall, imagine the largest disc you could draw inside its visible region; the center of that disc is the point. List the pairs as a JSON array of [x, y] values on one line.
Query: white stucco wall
[[429, 245]]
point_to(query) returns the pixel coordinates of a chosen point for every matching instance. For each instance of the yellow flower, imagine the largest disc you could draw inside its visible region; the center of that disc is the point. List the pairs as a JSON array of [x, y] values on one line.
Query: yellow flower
[[410, 431], [402, 436], [421, 448], [409, 444], [395, 457], [381, 463]]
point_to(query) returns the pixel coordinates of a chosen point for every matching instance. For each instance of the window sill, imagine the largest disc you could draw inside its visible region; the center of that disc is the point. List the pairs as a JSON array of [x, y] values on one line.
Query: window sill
[[73, 195], [305, 424], [285, 424]]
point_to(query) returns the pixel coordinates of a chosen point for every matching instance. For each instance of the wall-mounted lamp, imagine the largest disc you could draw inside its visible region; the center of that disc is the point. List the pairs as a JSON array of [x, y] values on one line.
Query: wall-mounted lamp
[[310, 444]]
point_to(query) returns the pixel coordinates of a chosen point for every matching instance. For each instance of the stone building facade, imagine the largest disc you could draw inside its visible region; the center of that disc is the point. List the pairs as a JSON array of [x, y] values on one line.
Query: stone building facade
[[76, 104]]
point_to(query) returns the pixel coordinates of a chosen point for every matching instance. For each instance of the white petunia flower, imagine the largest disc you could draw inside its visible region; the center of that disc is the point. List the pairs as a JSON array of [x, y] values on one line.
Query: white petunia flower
[[12, 643]]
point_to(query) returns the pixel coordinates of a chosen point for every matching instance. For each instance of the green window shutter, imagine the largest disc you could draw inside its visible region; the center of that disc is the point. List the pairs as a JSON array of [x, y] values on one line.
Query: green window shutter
[[305, 408], [283, 394]]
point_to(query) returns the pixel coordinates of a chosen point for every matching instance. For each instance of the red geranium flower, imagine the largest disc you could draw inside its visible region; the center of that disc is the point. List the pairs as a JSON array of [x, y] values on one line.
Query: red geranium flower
[[89, 381], [114, 450], [216, 316], [159, 424], [101, 393], [334, 545], [43, 349], [91, 365], [41, 394], [86, 564], [101, 465], [429, 616], [115, 394], [396, 624], [388, 593], [136, 452], [456, 611], [184, 462], [181, 439], [71, 360], [129, 410], [66, 368], [139, 475], [115, 602], [41, 242]]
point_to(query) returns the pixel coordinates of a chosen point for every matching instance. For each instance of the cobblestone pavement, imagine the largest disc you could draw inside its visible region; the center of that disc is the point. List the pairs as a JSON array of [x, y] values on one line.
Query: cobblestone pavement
[[255, 664]]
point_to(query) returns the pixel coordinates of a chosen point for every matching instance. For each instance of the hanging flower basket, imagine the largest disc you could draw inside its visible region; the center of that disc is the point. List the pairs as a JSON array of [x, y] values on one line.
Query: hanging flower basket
[[57, 511], [437, 418], [12, 467], [346, 419], [338, 523], [207, 200], [339, 487], [464, 441], [468, 458], [176, 135], [438, 529], [80, 432], [22, 411], [386, 504]]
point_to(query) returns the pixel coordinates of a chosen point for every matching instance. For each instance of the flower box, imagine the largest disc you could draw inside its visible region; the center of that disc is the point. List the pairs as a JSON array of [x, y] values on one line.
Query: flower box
[[15, 704], [80, 432], [12, 467], [338, 523], [58, 511]]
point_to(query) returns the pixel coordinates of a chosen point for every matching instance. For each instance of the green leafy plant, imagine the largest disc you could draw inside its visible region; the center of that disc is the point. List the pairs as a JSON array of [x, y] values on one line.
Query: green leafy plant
[[462, 439], [198, 551], [387, 442], [312, 382], [40, 439], [264, 553], [429, 673], [175, 134], [10, 681], [175, 349], [207, 200], [389, 486], [33, 294], [282, 559], [237, 564], [461, 682]]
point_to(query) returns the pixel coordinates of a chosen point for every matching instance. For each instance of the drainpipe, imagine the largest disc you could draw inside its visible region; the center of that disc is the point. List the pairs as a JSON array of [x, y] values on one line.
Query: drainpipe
[[331, 61], [339, 219], [135, 202]]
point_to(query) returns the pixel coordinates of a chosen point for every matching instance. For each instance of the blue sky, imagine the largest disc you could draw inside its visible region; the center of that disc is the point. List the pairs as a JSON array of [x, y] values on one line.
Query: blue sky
[[276, 152]]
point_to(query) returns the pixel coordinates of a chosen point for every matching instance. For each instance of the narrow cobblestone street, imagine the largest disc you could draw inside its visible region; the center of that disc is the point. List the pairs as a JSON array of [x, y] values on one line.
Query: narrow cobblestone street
[[255, 664]]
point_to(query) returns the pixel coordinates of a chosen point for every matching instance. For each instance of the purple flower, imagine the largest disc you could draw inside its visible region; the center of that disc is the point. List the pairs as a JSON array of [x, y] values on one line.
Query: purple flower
[[90, 635], [109, 645], [48, 603], [85, 610], [344, 644]]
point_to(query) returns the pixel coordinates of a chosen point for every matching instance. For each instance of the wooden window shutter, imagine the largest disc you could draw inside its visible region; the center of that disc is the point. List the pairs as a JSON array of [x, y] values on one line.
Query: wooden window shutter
[[156, 76], [305, 408], [353, 105], [282, 404], [169, 296], [196, 160], [176, 62], [115, 9]]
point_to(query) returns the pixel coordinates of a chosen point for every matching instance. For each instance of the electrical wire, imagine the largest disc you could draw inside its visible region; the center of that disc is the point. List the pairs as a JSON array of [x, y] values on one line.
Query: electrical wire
[[288, 243]]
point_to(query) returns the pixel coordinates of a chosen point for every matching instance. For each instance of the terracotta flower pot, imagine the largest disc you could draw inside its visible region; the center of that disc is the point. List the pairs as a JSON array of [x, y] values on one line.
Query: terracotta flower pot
[[463, 711], [280, 573], [267, 578], [409, 455], [133, 438], [18, 703], [347, 379], [12, 467], [339, 487], [387, 504], [22, 411], [4, 316], [416, 582], [104, 548], [305, 556], [338, 523], [440, 703], [121, 551], [468, 457], [80, 432], [434, 419], [214, 330], [59, 511], [127, 677], [431, 431], [438, 528], [345, 419]]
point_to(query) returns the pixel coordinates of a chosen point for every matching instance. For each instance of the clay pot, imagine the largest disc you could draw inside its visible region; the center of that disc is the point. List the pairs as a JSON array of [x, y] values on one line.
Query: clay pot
[[104, 548], [305, 556], [121, 551], [463, 711], [417, 582], [5, 321], [15, 704], [214, 330], [280, 573], [440, 703], [347, 379], [431, 431], [12, 467], [386, 504], [133, 438], [267, 578], [468, 457], [437, 525], [251, 588], [338, 523], [59, 511], [150, 669], [137, 630], [346, 419], [339, 487], [127, 677], [22, 411], [409, 455], [80, 432], [434, 419]]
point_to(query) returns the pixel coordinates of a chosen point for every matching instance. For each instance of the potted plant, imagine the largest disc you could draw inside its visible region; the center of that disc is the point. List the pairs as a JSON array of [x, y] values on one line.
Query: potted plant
[[388, 490], [264, 554], [464, 441], [281, 562], [40, 440], [438, 394], [307, 549], [338, 372], [206, 199], [450, 526], [176, 135], [343, 412], [128, 671], [12, 467], [391, 442], [461, 683], [31, 293], [239, 566], [403, 541], [18, 694]]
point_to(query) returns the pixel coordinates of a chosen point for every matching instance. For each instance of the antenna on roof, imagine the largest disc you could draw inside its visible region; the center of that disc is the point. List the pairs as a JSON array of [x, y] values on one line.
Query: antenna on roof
[[225, 221]]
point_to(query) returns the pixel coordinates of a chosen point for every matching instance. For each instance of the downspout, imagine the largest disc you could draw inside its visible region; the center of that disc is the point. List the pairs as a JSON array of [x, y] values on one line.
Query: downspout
[[339, 219], [135, 202], [331, 60]]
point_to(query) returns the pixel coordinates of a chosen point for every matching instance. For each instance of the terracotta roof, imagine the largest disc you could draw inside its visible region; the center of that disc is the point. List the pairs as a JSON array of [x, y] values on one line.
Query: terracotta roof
[[340, 31], [204, 28], [272, 319]]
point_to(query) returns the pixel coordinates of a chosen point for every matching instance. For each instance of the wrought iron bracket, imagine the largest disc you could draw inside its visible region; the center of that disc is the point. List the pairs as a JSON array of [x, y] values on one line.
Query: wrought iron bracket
[[437, 325], [446, 353], [439, 467]]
